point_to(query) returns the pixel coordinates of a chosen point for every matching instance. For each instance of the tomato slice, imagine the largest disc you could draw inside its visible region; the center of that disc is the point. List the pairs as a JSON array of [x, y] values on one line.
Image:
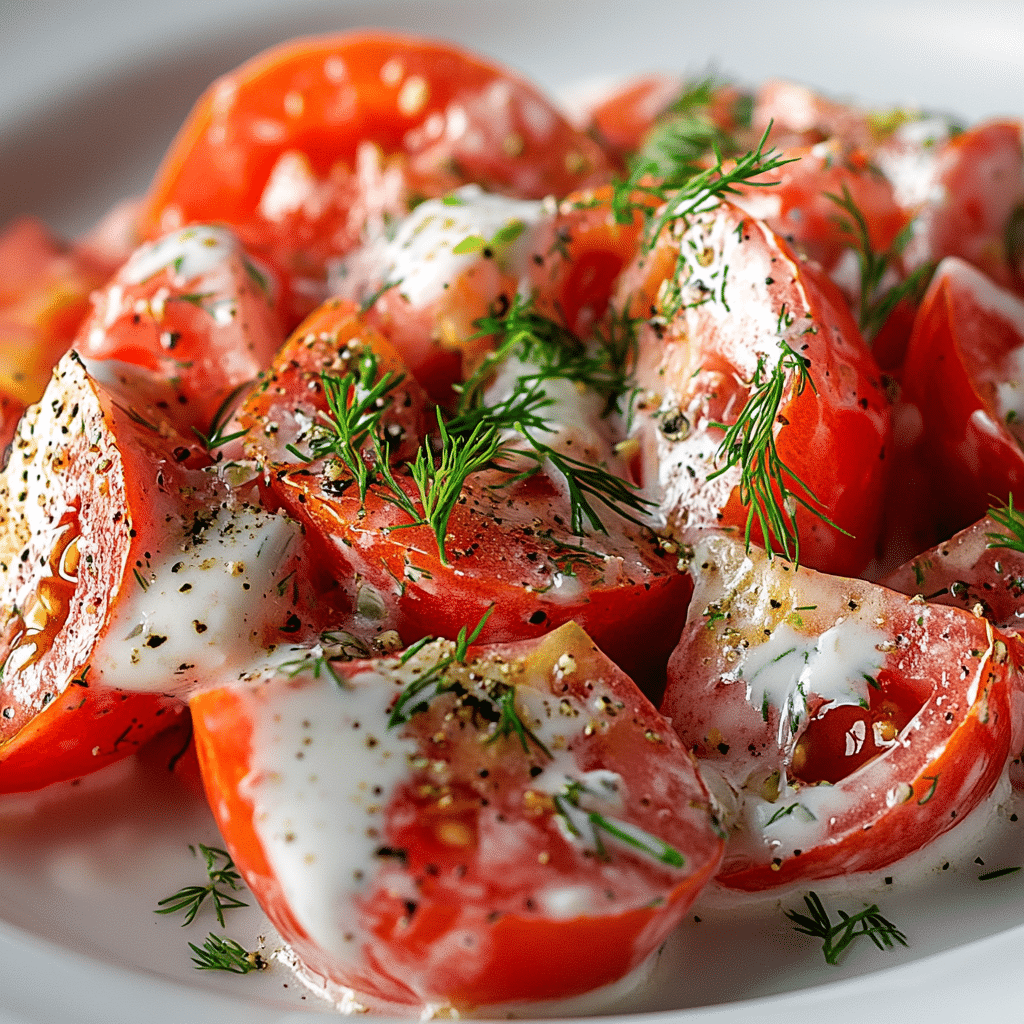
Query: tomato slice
[[290, 403], [297, 148], [626, 117], [977, 569], [749, 315], [847, 725], [972, 200], [527, 829], [186, 322], [962, 382], [799, 116], [508, 548], [455, 261], [44, 295], [130, 574], [804, 204]]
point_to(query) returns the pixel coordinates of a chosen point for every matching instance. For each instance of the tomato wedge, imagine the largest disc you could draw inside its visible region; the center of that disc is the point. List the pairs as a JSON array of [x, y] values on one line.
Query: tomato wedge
[[847, 725], [972, 210], [980, 569], [44, 295], [305, 144], [186, 322], [130, 574], [751, 328], [964, 381], [515, 823]]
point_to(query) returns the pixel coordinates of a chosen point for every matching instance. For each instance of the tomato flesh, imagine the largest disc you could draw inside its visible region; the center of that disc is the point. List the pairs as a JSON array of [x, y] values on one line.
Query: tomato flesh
[[469, 858]]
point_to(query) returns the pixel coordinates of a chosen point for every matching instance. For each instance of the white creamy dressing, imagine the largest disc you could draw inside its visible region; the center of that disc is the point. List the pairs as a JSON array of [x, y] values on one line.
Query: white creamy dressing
[[186, 254], [677, 468], [908, 159], [575, 425], [421, 259], [790, 667], [196, 612], [323, 768], [201, 257]]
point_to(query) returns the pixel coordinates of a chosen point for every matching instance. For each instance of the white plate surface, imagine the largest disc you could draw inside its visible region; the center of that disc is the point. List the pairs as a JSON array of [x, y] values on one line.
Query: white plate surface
[[90, 94]]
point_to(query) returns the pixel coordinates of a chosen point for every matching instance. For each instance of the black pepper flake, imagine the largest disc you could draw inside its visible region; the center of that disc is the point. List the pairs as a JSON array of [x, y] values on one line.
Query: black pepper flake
[[156, 640]]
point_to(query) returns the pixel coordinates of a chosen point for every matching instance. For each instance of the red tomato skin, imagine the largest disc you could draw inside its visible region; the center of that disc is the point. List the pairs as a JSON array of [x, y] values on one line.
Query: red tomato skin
[[577, 252], [90, 518], [957, 743], [100, 487], [835, 437], [622, 119], [798, 116], [497, 559], [350, 89], [964, 333], [978, 183], [180, 344], [335, 99], [44, 295], [410, 957], [290, 392], [797, 205]]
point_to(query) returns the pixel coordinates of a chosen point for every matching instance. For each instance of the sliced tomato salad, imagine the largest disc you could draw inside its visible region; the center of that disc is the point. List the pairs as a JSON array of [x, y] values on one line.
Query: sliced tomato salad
[[428, 441]]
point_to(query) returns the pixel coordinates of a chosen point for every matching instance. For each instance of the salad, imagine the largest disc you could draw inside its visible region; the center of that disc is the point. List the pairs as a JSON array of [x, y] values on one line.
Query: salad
[[524, 526]]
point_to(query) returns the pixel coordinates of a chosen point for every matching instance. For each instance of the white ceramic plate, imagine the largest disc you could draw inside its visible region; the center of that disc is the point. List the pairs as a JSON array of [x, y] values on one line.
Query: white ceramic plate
[[91, 93]]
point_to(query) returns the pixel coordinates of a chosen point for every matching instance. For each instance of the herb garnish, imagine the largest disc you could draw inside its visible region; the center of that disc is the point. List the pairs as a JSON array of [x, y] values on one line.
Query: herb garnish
[[215, 436], [191, 898], [1011, 519], [355, 405], [836, 937], [567, 805], [686, 134], [219, 953], [549, 352], [768, 487], [877, 301]]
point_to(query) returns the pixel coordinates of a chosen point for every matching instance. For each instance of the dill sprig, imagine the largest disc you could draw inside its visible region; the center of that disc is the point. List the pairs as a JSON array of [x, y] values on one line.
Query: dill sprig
[[1011, 519], [219, 953], [491, 700], [583, 482], [850, 927], [220, 869], [356, 403], [553, 351], [664, 201], [436, 674], [877, 302], [439, 480], [567, 806], [768, 487], [215, 436], [685, 134], [547, 352]]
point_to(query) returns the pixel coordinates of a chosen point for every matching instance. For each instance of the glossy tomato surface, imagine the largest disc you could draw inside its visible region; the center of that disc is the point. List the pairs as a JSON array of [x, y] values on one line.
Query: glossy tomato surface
[[730, 314], [307, 144], [962, 381], [848, 726], [185, 323], [515, 824]]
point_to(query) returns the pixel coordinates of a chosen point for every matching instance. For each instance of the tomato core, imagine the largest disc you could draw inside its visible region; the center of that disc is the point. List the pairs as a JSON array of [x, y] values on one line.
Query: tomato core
[[840, 739]]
